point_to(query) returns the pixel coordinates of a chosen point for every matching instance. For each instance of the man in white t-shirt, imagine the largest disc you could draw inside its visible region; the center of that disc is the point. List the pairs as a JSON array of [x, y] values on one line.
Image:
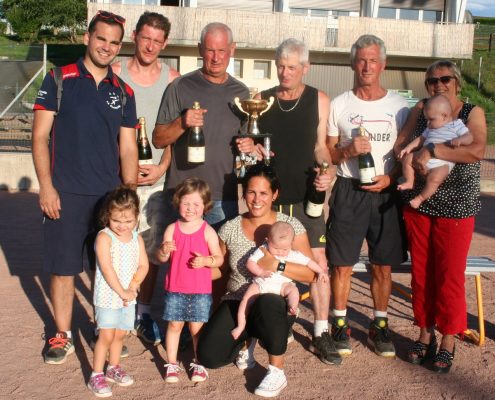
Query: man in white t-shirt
[[371, 211]]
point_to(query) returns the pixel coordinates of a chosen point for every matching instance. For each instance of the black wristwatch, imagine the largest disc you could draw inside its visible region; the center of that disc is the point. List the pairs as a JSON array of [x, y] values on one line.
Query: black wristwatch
[[431, 149], [281, 266]]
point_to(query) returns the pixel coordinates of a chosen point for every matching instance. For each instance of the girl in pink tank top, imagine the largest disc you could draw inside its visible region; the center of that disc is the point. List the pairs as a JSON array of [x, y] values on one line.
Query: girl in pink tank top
[[193, 248]]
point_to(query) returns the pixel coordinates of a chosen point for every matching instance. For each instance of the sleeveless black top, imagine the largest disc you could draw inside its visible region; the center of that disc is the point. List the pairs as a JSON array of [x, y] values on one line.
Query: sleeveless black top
[[293, 141], [459, 195]]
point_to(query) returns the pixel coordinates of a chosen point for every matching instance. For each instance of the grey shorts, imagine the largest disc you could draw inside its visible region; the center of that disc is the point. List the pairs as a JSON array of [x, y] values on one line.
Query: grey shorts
[[153, 218], [315, 227], [356, 215]]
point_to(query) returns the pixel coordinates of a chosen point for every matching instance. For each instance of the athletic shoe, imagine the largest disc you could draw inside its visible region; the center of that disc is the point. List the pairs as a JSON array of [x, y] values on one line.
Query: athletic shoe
[[172, 373], [123, 354], [148, 330], [324, 347], [60, 347], [119, 376], [99, 386], [245, 360], [379, 338], [199, 373], [272, 384], [340, 336]]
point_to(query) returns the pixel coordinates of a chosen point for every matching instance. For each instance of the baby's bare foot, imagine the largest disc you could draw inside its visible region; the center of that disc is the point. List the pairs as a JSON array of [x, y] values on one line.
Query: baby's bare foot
[[405, 186], [416, 202]]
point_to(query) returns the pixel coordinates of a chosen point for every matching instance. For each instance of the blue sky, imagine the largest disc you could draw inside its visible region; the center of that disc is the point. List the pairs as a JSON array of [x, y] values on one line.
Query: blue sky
[[481, 8]]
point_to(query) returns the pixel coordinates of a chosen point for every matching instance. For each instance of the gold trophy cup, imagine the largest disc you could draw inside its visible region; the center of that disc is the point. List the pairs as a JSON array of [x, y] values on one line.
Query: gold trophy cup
[[253, 108]]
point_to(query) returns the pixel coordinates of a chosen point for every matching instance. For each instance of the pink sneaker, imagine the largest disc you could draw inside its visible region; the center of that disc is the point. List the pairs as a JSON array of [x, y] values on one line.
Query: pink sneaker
[[119, 376], [99, 386], [172, 373], [199, 373]]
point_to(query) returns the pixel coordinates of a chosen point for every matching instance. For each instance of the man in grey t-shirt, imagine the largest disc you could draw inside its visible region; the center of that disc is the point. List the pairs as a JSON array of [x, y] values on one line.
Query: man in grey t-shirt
[[215, 91]]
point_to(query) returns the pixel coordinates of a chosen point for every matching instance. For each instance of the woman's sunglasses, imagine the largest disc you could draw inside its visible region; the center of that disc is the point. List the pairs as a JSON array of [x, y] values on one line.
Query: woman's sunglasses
[[109, 15], [443, 79]]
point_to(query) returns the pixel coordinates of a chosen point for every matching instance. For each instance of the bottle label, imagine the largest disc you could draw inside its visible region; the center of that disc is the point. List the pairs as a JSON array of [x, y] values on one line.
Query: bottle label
[[146, 162], [196, 154], [365, 175], [314, 210]]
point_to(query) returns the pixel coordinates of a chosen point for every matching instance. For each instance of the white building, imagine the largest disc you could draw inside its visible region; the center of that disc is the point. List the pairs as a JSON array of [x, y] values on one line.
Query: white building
[[415, 33]]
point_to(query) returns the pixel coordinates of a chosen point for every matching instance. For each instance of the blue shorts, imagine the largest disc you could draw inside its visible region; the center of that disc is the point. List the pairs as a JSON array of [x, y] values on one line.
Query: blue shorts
[[116, 318], [69, 241], [187, 307]]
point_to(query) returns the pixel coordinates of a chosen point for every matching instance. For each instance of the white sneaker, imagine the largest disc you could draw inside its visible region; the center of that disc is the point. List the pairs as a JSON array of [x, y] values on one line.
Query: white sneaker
[[272, 384], [245, 358]]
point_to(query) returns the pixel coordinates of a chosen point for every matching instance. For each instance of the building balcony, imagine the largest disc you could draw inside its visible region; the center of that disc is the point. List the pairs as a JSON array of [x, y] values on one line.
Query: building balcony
[[264, 30]]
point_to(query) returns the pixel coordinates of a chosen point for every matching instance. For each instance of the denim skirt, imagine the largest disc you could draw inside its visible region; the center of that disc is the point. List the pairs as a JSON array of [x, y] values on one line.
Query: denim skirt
[[187, 307]]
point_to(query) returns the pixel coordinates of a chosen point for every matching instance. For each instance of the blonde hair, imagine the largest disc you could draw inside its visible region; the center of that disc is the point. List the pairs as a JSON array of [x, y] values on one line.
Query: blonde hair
[[281, 231], [192, 185]]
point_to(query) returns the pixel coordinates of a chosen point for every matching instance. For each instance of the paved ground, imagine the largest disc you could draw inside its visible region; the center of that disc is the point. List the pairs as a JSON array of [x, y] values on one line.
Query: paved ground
[[25, 310]]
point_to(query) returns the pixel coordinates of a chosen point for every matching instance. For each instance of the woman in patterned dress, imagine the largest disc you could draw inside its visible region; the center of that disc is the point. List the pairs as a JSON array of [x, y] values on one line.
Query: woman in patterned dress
[[440, 231], [268, 319]]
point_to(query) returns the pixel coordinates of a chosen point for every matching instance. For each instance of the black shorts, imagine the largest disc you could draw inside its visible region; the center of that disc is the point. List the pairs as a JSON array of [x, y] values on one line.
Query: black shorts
[[356, 215], [315, 227], [69, 241]]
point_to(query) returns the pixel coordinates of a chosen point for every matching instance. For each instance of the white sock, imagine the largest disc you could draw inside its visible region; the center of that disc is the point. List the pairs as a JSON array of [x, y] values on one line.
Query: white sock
[[251, 346], [110, 367], [320, 326], [96, 373], [379, 314], [339, 313], [69, 334], [273, 368], [143, 309]]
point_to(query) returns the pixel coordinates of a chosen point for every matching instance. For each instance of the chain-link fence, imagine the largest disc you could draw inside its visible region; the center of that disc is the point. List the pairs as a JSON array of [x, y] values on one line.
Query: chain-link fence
[[23, 68]]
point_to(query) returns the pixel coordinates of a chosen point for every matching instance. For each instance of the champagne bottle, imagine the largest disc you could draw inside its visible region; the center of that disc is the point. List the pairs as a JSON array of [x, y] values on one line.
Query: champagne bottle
[[144, 149], [316, 199], [366, 165], [196, 142]]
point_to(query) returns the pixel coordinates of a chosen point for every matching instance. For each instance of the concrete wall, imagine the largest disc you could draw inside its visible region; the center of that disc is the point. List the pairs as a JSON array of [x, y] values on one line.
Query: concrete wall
[[17, 172]]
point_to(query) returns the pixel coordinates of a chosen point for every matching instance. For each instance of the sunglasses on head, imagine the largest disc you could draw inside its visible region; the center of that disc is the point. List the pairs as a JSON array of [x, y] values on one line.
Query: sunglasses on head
[[110, 16], [443, 79]]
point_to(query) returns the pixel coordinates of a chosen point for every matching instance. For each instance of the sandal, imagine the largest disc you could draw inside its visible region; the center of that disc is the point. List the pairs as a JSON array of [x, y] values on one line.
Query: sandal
[[420, 352], [443, 361]]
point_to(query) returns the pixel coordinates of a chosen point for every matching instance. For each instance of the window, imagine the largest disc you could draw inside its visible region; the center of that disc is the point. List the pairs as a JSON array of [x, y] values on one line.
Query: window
[[409, 14], [340, 13], [385, 12], [199, 62], [299, 11], [432, 16], [238, 68], [261, 70]]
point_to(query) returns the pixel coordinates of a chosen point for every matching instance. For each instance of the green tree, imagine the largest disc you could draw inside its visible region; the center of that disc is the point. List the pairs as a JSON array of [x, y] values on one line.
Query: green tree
[[25, 16], [28, 16], [69, 14]]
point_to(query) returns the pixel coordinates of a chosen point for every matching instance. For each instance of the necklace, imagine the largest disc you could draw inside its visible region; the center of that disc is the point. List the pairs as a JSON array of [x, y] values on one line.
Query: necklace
[[294, 106]]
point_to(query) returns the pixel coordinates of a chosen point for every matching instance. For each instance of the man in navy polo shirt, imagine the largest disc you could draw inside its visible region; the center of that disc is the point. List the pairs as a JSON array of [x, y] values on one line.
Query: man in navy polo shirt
[[81, 151]]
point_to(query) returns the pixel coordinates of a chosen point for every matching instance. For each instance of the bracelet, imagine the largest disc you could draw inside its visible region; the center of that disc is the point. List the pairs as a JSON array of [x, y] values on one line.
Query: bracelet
[[212, 260], [136, 280]]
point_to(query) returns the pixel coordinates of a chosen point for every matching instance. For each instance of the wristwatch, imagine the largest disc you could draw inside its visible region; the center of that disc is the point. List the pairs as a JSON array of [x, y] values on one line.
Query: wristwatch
[[281, 266], [431, 149]]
